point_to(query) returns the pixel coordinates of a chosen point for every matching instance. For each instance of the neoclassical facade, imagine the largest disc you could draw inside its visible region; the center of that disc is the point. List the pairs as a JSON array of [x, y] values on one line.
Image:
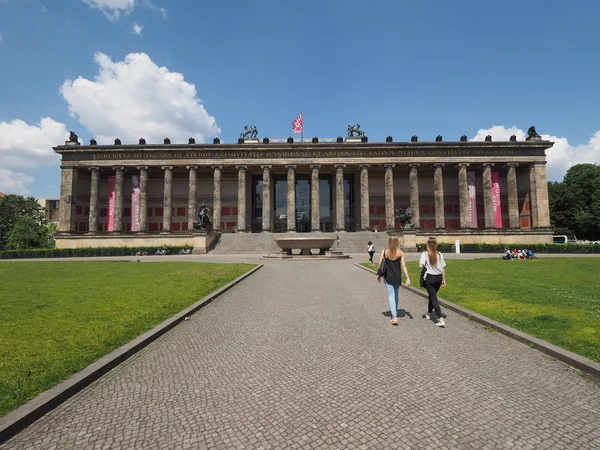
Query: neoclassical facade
[[146, 194]]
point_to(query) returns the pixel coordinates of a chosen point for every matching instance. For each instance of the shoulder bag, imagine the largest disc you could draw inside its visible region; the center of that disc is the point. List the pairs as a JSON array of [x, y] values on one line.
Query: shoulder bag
[[382, 269], [423, 274]]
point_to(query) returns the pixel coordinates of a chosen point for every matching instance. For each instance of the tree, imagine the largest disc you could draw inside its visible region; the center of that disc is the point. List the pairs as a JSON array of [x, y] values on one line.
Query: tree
[[575, 203], [28, 233], [12, 207]]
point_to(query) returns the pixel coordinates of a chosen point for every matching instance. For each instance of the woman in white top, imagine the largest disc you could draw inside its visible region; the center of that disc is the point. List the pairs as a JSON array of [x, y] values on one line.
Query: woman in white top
[[435, 277]]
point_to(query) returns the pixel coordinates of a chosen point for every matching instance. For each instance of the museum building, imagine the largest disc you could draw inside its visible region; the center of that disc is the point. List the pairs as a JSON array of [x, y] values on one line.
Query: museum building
[[149, 194]]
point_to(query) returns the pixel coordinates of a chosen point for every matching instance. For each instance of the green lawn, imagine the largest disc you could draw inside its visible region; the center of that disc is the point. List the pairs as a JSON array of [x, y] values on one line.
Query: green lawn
[[554, 299], [58, 317]]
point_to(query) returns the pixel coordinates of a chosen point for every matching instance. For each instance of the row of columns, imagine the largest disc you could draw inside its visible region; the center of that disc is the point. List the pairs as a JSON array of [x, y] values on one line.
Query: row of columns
[[539, 220]]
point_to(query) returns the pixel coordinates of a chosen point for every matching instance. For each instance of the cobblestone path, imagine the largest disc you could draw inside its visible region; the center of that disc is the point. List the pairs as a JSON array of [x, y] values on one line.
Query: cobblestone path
[[300, 355]]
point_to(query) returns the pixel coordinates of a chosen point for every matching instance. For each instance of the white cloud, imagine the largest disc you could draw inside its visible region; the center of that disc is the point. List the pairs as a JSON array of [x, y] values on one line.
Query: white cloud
[[113, 8], [136, 98], [561, 156], [0, 37], [25, 148], [163, 11], [137, 29]]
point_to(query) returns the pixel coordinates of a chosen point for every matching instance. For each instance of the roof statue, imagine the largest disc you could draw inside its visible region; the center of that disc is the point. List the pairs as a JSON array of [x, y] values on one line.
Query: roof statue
[[249, 132], [73, 137], [355, 129], [532, 134]]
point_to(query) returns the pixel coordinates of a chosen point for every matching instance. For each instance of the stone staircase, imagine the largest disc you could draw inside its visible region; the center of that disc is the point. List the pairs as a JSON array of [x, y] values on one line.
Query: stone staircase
[[263, 243]]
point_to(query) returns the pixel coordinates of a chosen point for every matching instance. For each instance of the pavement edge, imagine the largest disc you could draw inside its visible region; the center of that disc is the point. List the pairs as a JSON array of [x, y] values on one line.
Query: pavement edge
[[26, 414], [578, 362]]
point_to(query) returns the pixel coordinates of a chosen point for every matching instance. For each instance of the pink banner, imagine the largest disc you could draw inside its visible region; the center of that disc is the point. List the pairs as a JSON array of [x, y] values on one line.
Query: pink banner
[[135, 203], [111, 203], [472, 199], [496, 199]]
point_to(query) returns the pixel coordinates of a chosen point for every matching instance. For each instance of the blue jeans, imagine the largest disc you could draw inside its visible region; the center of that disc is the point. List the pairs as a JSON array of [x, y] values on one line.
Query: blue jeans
[[392, 297]]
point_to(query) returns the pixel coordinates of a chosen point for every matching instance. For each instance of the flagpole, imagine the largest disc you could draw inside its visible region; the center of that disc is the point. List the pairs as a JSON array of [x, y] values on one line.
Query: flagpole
[[302, 130]]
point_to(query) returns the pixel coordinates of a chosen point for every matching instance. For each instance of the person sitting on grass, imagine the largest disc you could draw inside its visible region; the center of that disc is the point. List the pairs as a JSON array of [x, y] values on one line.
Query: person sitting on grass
[[507, 254]]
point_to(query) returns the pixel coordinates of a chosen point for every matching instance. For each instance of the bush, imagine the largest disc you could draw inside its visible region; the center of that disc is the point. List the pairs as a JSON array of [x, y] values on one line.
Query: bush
[[89, 252], [501, 248]]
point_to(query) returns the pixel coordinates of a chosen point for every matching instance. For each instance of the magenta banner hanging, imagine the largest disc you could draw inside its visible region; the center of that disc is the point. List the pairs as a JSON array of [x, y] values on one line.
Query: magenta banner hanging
[[472, 199], [496, 199], [135, 203], [111, 203]]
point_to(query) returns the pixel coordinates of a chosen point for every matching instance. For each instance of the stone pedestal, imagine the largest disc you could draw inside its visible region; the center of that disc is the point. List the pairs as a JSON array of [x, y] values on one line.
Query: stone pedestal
[[250, 141], [353, 140]]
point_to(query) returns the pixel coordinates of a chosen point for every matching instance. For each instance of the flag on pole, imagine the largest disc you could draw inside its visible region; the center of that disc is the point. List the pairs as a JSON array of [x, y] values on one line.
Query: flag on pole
[[297, 124]]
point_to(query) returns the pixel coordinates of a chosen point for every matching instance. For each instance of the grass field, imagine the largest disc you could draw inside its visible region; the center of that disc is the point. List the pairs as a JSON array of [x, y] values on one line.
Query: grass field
[[554, 299], [58, 317]]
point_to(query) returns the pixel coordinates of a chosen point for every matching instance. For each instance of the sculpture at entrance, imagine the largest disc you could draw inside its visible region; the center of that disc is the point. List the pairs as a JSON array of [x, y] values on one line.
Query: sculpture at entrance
[[249, 132], [404, 216], [355, 129], [203, 222]]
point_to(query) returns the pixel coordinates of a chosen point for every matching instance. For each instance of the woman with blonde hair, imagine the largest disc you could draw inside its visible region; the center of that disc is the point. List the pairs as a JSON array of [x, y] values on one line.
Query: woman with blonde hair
[[435, 277], [394, 261]]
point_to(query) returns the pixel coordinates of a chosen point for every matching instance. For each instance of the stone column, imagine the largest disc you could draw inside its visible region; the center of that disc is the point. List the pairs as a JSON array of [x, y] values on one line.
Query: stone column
[[438, 186], [291, 198], [340, 223], [93, 218], [414, 194], [167, 198], [390, 218], [143, 198], [69, 179], [541, 196], [533, 204], [119, 181], [241, 227], [218, 171], [315, 200], [463, 196], [192, 195], [488, 198], [266, 209], [513, 198], [365, 219]]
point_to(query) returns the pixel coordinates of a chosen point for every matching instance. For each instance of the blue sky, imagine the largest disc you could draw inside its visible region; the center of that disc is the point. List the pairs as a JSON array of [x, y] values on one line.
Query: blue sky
[[181, 68]]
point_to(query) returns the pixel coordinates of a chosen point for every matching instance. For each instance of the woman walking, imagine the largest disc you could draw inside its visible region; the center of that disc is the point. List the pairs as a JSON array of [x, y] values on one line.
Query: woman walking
[[435, 277], [394, 260], [370, 250]]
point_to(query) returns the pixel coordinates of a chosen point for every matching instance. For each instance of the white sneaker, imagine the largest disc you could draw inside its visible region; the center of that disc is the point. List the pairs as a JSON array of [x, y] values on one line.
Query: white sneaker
[[427, 316], [441, 323]]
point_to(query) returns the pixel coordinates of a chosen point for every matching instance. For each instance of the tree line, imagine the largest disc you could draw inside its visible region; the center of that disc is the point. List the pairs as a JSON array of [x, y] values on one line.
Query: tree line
[[23, 224], [575, 202]]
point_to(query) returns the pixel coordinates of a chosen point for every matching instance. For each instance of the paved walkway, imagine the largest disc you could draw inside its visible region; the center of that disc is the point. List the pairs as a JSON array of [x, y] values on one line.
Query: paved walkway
[[300, 355]]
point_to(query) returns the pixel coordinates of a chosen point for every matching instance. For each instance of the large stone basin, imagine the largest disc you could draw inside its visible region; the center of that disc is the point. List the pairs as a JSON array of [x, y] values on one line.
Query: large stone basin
[[304, 244]]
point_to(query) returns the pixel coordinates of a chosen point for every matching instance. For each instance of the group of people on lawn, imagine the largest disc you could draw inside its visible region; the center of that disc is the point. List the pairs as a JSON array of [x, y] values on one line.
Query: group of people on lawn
[[518, 254]]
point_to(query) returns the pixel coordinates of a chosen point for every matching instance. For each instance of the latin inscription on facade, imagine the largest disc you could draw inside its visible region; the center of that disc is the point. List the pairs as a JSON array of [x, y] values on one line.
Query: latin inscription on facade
[[265, 154]]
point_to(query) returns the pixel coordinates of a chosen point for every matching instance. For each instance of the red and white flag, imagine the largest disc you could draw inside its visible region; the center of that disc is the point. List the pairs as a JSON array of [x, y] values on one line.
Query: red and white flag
[[297, 124]]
